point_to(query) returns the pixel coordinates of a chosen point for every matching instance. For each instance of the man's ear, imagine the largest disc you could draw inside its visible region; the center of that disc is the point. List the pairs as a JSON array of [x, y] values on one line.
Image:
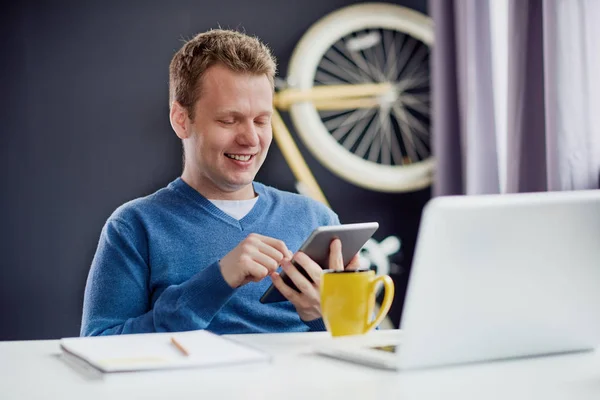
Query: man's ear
[[179, 120]]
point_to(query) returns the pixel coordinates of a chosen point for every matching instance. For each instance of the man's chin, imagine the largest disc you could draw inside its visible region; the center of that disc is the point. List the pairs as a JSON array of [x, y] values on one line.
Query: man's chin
[[235, 185]]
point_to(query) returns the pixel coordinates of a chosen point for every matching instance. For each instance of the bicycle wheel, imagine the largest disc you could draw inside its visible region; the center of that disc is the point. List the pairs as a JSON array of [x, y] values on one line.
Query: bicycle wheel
[[385, 146]]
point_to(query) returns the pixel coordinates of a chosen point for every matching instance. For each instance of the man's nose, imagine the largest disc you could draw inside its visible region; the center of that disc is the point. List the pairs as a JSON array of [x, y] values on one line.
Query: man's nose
[[248, 135]]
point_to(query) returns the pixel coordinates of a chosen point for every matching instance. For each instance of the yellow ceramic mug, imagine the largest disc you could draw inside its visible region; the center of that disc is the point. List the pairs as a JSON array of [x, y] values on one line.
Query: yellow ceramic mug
[[348, 301]]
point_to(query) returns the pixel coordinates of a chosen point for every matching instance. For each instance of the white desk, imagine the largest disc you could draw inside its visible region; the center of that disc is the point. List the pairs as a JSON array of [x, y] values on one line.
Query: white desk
[[35, 369]]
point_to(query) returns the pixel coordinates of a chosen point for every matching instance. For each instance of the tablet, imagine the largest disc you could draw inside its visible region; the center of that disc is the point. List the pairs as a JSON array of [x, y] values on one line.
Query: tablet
[[353, 237]]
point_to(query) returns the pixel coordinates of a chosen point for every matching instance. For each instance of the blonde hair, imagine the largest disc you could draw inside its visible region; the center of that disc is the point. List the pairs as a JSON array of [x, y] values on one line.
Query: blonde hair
[[235, 50]]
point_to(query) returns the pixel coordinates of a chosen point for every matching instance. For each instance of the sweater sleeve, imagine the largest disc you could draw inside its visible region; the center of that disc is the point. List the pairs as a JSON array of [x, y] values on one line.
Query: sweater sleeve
[[117, 297]]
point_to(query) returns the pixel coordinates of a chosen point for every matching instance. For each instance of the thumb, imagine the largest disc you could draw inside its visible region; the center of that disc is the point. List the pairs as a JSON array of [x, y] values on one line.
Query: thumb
[[336, 261], [354, 264]]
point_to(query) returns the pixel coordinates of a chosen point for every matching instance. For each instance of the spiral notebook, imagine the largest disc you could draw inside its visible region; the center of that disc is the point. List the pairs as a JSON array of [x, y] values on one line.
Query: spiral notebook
[[151, 351]]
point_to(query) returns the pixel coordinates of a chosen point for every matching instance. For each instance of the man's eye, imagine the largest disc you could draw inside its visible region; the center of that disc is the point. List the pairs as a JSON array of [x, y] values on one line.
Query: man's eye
[[227, 122], [261, 122]]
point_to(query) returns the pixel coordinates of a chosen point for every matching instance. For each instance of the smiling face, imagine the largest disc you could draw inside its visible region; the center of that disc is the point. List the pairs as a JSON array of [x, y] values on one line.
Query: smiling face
[[227, 141]]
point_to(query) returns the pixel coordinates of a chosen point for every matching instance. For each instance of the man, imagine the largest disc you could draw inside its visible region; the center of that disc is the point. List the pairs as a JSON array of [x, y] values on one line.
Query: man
[[199, 253]]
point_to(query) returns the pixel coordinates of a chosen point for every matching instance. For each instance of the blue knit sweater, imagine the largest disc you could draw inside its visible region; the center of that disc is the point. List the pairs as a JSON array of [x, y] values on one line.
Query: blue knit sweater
[[156, 268]]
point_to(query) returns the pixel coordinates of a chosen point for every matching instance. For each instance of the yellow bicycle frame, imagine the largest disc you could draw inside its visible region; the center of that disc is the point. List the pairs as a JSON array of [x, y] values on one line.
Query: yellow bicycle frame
[[329, 97]]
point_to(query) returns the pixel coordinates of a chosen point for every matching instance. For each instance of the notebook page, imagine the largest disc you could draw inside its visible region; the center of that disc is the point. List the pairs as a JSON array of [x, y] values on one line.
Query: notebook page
[[156, 351]]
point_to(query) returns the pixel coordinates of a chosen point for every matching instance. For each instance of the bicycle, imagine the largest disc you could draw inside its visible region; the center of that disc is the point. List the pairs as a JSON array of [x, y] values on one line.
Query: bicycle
[[358, 94]]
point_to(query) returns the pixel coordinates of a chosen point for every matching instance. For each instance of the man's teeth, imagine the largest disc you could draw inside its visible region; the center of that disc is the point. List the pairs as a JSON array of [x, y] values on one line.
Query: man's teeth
[[239, 157]]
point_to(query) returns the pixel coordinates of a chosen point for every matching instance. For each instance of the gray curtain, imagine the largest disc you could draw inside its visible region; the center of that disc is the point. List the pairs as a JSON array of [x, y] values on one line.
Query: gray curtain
[[463, 126], [527, 147], [553, 134]]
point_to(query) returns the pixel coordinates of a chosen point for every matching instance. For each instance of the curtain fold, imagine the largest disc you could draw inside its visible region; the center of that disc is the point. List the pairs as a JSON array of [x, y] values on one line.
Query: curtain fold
[[571, 64], [526, 126], [446, 136], [464, 134]]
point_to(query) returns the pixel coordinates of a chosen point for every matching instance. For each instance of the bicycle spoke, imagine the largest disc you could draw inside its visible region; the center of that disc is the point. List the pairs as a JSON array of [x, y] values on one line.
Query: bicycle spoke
[[421, 97], [344, 119], [343, 130], [415, 123], [360, 62], [421, 133], [403, 126], [375, 73], [409, 146], [374, 152], [327, 79], [415, 61], [334, 56], [397, 154], [417, 107], [362, 68], [417, 150], [332, 113], [355, 133], [380, 55], [386, 148], [413, 82], [348, 67], [372, 56], [360, 47], [415, 103], [332, 69], [391, 65], [403, 57], [369, 136]]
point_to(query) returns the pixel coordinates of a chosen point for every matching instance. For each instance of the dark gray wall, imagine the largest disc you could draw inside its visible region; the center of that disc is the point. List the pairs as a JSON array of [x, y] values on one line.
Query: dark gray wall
[[84, 127]]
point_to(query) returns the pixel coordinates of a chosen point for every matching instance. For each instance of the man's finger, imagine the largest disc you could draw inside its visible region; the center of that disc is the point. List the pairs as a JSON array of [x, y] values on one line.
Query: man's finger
[[269, 263], [303, 284], [257, 272], [336, 261], [277, 244], [271, 252], [312, 268], [354, 264], [284, 289]]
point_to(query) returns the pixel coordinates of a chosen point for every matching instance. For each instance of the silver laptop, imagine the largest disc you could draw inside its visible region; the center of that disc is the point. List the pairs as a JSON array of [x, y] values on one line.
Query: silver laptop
[[496, 277]]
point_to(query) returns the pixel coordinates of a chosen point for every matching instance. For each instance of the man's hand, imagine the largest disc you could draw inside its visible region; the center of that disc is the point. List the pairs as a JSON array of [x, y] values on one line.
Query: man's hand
[[308, 302], [253, 259]]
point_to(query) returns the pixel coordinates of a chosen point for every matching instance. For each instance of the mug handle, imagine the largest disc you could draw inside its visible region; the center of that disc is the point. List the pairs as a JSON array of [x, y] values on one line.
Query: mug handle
[[388, 297]]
